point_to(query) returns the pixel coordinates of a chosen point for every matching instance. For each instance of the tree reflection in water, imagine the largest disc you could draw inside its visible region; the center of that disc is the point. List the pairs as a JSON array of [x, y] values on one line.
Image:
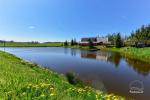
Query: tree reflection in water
[[115, 58]]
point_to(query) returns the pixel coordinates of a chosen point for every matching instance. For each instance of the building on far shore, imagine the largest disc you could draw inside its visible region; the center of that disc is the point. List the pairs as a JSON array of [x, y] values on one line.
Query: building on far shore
[[95, 41]]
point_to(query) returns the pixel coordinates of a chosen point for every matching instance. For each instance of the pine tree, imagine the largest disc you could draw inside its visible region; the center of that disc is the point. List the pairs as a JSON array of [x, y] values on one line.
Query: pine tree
[[119, 42], [66, 43], [72, 42]]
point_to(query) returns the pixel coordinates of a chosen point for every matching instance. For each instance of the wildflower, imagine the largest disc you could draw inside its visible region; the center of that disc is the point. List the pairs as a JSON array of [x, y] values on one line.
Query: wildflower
[[28, 87], [51, 88], [23, 93], [42, 95], [52, 94], [29, 84], [96, 97], [43, 85]]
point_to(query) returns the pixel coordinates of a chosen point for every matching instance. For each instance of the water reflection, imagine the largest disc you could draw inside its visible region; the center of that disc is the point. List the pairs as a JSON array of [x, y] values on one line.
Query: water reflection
[[96, 55], [115, 58], [73, 52], [138, 66]]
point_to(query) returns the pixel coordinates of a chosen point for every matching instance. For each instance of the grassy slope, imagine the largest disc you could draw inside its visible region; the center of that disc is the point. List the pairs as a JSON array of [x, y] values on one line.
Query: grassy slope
[[142, 54], [22, 80], [29, 44]]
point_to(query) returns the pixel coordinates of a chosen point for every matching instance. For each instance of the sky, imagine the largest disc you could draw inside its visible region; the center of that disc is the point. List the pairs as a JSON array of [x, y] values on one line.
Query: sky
[[60, 20]]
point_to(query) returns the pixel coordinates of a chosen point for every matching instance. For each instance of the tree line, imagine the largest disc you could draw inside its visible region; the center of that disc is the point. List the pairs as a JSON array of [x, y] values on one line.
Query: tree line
[[140, 36], [72, 42], [137, 38]]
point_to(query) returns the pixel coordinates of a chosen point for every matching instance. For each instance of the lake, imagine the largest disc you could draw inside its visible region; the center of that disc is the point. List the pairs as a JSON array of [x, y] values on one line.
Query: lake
[[108, 71]]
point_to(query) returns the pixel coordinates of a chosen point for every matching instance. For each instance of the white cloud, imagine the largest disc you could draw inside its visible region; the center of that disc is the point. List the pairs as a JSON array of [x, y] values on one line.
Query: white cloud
[[31, 27]]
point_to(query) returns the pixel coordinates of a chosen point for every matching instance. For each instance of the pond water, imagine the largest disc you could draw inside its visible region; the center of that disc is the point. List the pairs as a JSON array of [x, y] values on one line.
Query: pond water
[[107, 71]]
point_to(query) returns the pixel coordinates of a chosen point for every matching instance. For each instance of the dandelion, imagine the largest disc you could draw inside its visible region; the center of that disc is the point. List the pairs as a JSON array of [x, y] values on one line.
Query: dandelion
[[29, 84], [51, 88], [42, 95], [96, 97], [28, 87], [52, 94], [23, 93], [43, 85]]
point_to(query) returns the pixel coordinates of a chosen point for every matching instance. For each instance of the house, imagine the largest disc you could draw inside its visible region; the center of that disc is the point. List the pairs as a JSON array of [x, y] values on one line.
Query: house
[[94, 40]]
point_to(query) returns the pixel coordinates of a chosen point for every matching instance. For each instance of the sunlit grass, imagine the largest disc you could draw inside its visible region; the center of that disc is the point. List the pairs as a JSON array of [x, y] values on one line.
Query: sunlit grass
[[30, 44], [142, 54]]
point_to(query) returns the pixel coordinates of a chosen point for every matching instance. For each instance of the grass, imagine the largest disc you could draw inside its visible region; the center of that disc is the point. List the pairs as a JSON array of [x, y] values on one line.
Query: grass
[[82, 47], [20, 79], [30, 44], [142, 54], [47, 44]]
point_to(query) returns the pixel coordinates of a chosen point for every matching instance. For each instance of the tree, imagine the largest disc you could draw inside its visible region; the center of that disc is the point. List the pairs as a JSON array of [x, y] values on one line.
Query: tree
[[75, 42], [72, 42], [66, 43], [112, 38], [118, 41], [91, 43], [141, 35]]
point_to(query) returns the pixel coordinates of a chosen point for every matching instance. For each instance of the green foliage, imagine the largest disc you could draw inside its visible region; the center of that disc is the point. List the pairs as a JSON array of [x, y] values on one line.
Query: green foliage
[[112, 38], [91, 45], [73, 42], [73, 79], [66, 43], [118, 41], [141, 35]]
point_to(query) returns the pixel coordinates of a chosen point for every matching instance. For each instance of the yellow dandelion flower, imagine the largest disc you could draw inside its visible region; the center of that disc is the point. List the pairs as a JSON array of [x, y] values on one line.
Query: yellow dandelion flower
[[28, 87], [96, 97], [23, 93], [42, 95], [30, 84], [51, 88], [52, 94]]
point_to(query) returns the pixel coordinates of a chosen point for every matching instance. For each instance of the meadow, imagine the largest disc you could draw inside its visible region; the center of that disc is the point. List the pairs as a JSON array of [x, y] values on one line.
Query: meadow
[[31, 44], [20, 79]]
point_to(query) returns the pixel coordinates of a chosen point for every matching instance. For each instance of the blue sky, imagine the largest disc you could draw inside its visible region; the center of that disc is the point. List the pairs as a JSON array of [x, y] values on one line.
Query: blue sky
[[59, 20]]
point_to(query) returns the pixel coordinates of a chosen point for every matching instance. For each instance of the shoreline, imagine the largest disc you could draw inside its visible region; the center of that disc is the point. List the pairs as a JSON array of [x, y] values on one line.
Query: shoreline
[[140, 54], [24, 77], [127, 51]]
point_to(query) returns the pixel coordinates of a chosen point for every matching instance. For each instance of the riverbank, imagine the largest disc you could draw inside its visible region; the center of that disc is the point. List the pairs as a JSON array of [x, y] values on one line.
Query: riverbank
[[48, 44], [142, 54], [83, 47], [20, 79], [30, 44]]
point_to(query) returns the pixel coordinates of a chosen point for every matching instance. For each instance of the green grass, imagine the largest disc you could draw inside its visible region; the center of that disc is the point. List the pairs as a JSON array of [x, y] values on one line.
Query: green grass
[[20, 79], [82, 47], [142, 54], [30, 44]]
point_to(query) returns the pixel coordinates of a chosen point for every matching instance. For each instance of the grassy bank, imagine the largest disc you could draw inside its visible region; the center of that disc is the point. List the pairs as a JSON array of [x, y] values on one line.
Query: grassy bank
[[30, 44], [23, 80], [82, 47], [142, 54]]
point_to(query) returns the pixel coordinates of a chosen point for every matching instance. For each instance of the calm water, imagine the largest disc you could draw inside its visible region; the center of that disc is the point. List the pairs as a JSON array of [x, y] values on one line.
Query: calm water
[[107, 71]]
